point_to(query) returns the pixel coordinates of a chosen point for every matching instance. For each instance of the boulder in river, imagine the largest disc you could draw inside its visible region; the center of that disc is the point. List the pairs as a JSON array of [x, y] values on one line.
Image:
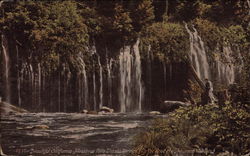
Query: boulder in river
[[154, 113], [169, 106], [106, 109], [85, 111]]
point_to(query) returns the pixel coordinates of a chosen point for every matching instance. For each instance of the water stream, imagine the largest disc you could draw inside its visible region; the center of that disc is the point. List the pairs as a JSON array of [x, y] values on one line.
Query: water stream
[[71, 133], [131, 89], [6, 69], [198, 56]]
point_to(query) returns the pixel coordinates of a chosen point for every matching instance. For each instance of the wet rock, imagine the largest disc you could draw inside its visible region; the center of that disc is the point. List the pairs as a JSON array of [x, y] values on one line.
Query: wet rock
[[105, 109], [154, 113], [41, 127], [84, 111], [169, 106], [6, 108]]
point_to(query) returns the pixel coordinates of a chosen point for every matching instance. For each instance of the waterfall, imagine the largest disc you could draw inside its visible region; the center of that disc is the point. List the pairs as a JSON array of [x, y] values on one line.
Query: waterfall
[[225, 67], [101, 83], [18, 78], [6, 65], [94, 89], [83, 84], [149, 75], [86, 93], [138, 74], [197, 55], [31, 83], [131, 89], [93, 51], [39, 84], [125, 62], [109, 70], [165, 78]]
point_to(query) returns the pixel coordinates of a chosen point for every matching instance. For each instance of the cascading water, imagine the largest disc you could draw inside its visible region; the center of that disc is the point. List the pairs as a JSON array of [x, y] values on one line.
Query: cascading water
[[93, 51], [131, 90], [86, 92], [197, 55], [39, 84], [94, 90], [149, 76], [109, 70], [83, 85], [225, 67], [31, 82], [125, 62], [101, 83], [138, 74], [19, 99], [6, 65]]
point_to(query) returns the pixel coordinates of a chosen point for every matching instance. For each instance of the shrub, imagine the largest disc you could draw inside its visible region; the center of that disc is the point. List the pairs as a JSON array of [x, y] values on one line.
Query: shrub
[[197, 127]]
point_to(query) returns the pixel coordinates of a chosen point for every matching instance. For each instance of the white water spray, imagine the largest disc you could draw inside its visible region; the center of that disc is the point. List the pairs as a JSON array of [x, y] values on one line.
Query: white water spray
[[225, 67], [197, 55], [6, 68], [131, 90], [109, 70], [101, 83]]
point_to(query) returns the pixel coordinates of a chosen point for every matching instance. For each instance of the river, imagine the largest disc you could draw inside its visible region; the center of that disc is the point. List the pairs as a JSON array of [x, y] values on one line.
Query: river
[[71, 133]]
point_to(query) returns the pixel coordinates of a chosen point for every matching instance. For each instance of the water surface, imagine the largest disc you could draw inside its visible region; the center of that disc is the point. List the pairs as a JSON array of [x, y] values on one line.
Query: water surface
[[71, 133]]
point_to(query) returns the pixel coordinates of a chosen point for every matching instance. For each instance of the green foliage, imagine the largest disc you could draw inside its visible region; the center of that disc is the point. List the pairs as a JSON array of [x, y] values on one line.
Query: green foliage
[[121, 21], [50, 31], [197, 127], [216, 37], [222, 12], [193, 92], [143, 15], [209, 32], [169, 41]]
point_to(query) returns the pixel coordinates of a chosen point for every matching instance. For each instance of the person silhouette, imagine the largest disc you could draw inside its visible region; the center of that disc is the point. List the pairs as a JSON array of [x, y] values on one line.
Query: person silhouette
[[207, 96]]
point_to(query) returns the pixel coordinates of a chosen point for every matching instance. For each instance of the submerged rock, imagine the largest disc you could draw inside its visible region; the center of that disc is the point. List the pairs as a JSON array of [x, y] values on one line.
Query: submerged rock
[[40, 127], [35, 127], [169, 106], [6, 108]]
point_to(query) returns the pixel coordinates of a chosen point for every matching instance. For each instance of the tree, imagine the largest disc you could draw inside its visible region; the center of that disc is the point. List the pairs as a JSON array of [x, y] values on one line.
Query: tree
[[47, 30], [143, 15]]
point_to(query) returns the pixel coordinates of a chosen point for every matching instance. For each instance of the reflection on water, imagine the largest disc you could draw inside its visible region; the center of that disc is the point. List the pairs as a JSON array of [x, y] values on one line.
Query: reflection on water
[[70, 133]]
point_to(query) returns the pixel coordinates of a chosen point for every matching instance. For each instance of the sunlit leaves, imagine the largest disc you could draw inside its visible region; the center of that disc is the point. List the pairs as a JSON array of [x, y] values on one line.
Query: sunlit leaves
[[169, 41]]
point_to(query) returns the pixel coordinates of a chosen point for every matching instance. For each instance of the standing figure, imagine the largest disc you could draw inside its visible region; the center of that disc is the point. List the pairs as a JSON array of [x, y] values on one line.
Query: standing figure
[[207, 96]]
